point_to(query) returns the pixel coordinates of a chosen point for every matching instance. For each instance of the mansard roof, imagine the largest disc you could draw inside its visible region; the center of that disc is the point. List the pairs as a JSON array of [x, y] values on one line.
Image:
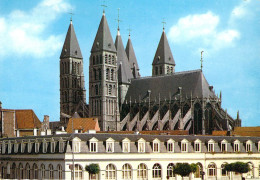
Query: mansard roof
[[190, 82], [71, 46], [163, 53], [124, 70], [103, 40], [131, 54]]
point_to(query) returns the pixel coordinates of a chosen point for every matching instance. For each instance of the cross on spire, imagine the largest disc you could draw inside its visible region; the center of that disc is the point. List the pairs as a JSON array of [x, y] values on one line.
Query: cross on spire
[[201, 60], [129, 30], [104, 6], [118, 20], [71, 14], [163, 22]]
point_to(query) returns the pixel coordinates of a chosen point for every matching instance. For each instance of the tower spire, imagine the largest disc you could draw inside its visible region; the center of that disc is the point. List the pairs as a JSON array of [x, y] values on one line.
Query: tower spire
[[201, 60], [163, 22], [129, 30], [118, 20], [71, 14], [104, 6]]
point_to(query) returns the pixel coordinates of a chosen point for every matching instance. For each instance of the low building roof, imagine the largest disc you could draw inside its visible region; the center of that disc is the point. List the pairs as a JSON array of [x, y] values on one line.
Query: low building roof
[[83, 124]]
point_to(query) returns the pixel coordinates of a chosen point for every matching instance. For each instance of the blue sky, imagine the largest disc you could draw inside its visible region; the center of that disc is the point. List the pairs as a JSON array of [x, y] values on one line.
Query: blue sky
[[32, 34]]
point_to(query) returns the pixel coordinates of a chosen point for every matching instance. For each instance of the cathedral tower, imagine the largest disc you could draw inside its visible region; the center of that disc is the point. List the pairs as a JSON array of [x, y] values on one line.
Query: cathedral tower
[[124, 71], [72, 84], [103, 84], [163, 62], [132, 58]]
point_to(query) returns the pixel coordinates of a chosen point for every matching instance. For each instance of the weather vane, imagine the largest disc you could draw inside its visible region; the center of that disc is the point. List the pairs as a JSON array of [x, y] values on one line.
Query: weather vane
[[129, 30], [71, 14], [201, 60], [104, 6], [163, 22], [118, 20]]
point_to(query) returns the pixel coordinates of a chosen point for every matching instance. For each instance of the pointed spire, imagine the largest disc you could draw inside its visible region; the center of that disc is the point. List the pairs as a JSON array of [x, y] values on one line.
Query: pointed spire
[[237, 114], [124, 71], [132, 58], [220, 96], [71, 46], [103, 39], [163, 53]]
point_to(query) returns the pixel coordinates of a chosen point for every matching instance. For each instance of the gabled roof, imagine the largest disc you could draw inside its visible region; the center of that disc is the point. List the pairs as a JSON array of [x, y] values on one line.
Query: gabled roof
[[83, 124], [26, 119], [71, 46], [163, 53], [131, 56], [190, 81], [103, 40], [124, 70]]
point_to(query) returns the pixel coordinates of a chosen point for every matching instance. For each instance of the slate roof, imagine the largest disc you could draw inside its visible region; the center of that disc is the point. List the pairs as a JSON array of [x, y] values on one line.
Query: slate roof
[[190, 81], [26, 119], [71, 46], [124, 70], [83, 124], [103, 40], [163, 53], [131, 54]]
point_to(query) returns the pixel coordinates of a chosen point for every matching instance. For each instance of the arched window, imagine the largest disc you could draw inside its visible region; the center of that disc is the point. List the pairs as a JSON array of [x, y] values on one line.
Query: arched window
[[27, 171], [156, 70], [99, 74], [199, 170], [157, 171], [78, 172], [142, 172], [112, 75], [106, 58], [110, 172], [113, 59], [168, 70], [212, 170], [96, 89], [110, 89], [250, 173], [94, 60], [35, 171], [14, 171], [161, 69], [43, 171], [126, 172], [97, 60], [59, 167], [171, 69], [95, 74], [109, 59], [107, 74], [20, 173], [223, 171], [51, 174], [170, 169]]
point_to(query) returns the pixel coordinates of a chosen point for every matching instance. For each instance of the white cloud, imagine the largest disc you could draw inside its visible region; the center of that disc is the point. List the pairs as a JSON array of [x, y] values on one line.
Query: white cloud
[[241, 10], [203, 29], [23, 33]]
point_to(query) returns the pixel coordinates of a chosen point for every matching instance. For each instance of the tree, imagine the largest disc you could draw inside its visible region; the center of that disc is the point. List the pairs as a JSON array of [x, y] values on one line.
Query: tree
[[92, 169], [184, 169], [238, 167]]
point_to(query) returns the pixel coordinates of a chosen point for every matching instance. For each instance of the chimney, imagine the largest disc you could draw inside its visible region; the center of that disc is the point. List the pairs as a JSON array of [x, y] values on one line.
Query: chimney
[[46, 122]]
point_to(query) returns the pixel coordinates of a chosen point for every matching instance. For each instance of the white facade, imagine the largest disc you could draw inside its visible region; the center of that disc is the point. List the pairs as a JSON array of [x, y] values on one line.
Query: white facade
[[153, 161]]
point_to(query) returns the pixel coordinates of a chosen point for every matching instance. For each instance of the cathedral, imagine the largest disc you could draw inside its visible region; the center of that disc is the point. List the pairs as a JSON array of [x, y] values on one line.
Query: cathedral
[[122, 100]]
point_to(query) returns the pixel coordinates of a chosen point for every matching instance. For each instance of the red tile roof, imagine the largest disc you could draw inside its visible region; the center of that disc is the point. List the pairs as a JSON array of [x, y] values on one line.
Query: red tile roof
[[83, 124], [26, 119]]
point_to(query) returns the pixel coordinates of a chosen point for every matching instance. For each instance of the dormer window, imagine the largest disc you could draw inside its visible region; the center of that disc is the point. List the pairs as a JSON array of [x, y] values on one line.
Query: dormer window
[[224, 146], [29, 147], [52, 146], [236, 146], [141, 145], [184, 145], [93, 145], [126, 145], [197, 146], [170, 145], [110, 145], [249, 146], [37, 146], [61, 146], [76, 145], [156, 145], [44, 146], [15, 147], [9, 147], [211, 145]]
